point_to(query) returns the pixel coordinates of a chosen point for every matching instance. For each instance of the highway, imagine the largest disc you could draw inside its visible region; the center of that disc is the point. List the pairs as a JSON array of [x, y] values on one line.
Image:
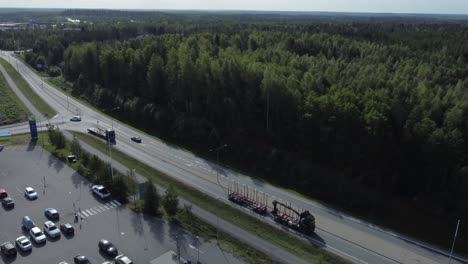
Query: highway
[[337, 232]]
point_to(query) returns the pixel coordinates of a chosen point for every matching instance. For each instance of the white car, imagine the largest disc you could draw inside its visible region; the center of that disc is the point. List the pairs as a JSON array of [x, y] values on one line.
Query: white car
[[100, 191], [23, 243], [122, 259], [30, 193], [37, 235], [51, 229], [76, 118]]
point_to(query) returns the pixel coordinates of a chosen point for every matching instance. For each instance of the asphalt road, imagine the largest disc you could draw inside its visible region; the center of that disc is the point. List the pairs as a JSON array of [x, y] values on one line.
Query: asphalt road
[[139, 237], [344, 235]]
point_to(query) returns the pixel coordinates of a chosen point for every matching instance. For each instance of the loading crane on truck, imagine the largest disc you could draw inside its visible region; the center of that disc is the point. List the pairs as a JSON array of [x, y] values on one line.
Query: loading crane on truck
[[304, 224]]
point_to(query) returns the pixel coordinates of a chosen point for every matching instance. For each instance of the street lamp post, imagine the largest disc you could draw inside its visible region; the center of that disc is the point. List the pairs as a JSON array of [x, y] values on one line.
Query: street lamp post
[[112, 117], [108, 141], [217, 180], [198, 249], [453, 243]]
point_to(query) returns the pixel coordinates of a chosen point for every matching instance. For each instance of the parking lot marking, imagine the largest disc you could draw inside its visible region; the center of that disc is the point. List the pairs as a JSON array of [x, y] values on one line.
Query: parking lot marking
[[88, 212]]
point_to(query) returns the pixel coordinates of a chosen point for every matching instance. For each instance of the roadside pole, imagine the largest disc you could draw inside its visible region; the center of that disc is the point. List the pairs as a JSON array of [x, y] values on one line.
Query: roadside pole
[[453, 243]]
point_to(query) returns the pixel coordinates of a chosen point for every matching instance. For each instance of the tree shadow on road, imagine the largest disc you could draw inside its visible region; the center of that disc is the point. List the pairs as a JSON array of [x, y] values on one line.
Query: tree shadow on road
[[58, 164], [180, 238], [156, 227]]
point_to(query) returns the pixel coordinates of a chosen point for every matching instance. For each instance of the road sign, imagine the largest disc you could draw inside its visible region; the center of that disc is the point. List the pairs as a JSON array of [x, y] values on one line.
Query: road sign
[[33, 127]]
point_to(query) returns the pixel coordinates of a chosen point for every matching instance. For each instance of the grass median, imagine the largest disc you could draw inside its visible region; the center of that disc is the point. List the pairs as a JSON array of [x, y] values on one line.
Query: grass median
[[283, 239], [12, 109], [24, 87]]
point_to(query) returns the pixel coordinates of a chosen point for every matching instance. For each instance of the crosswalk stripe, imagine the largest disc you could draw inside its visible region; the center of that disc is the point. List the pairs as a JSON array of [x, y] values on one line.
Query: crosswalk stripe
[[97, 209], [102, 208], [110, 205], [85, 214], [92, 210], [107, 207], [88, 212], [114, 204], [117, 202]]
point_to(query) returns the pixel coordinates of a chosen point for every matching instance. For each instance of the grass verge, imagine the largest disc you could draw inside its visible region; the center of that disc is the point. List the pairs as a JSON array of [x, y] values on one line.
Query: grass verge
[[249, 223], [40, 105], [12, 109]]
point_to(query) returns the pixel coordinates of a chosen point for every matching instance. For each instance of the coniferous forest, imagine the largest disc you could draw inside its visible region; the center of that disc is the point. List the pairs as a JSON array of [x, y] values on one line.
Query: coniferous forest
[[362, 114]]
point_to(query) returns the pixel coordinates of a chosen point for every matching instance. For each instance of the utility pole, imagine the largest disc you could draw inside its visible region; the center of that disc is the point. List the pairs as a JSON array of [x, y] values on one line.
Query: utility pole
[[217, 180], [453, 243], [110, 158], [198, 249]]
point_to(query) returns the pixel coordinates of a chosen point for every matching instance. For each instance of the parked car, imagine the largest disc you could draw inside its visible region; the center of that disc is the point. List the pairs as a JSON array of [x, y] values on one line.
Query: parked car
[[80, 259], [100, 191], [8, 249], [3, 194], [30, 193], [76, 118], [51, 229], [136, 139], [8, 202], [51, 214], [37, 235], [28, 224], [67, 229], [23, 243], [63, 262], [107, 247], [122, 259]]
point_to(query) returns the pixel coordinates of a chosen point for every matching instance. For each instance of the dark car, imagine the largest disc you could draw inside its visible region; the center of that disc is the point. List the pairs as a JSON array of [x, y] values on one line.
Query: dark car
[[136, 139], [107, 247], [80, 259], [67, 229], [8, 202], [3, 194], [8, 249], [52, 214]]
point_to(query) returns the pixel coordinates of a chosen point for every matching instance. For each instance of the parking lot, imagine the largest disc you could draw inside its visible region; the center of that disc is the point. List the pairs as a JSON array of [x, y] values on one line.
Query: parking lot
[[141, 238]]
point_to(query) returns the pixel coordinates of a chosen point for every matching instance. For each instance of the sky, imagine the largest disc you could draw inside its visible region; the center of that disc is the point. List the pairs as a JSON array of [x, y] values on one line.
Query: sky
[[375, 6]]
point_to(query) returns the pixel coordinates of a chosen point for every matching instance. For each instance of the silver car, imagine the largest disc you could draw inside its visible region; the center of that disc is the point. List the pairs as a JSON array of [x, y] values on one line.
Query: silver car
[[23, 243]]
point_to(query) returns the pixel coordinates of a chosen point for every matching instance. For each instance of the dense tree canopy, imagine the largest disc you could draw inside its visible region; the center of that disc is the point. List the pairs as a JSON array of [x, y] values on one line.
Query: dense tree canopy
[[318, 107]]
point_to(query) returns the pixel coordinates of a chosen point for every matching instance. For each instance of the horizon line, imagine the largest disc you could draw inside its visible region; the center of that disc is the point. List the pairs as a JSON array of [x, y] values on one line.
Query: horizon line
[[239, 10]]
